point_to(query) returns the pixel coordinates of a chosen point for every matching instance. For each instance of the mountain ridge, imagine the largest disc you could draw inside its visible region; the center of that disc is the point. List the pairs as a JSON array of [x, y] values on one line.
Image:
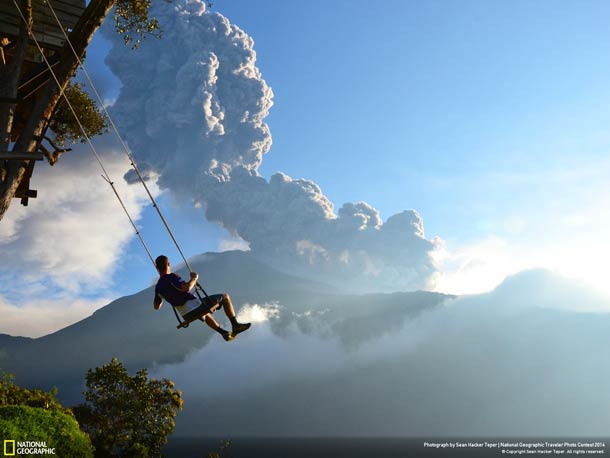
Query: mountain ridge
[[129, 327]]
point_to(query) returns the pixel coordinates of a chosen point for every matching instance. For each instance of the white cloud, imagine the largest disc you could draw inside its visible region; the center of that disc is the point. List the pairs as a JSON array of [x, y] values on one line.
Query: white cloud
[[75, 230], [295, 355], [478, 267], [36, 318], [254, 313], [556, 218], [66, 243], [234, 243], [575, 251], [290, 353]]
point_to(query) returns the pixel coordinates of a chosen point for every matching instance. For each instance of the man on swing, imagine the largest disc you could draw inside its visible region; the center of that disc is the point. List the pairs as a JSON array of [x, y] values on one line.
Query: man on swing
[[176, 291]]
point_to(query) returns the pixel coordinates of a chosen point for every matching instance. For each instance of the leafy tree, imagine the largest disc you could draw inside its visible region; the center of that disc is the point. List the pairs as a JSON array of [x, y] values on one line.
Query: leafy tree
[[65, 126], [11, 395], [128, 416], [132, 21], [59, 430], [131, 17]]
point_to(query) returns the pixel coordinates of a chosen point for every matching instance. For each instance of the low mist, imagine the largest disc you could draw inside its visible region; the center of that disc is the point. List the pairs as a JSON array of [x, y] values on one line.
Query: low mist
[[519, 361]]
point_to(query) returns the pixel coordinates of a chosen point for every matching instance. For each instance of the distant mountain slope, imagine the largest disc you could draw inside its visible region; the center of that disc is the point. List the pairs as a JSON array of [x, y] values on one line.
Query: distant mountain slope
[[520, 361], [527, 359], [130, 329]]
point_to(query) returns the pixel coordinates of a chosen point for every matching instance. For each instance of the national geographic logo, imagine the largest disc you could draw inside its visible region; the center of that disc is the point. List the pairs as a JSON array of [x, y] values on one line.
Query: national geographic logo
[[19, 448]]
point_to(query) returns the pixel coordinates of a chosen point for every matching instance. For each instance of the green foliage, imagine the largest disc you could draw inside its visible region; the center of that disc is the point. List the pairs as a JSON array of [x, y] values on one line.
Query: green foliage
[[132, 21], [11, 395], [65, 125], [127, 416], [57, 429]]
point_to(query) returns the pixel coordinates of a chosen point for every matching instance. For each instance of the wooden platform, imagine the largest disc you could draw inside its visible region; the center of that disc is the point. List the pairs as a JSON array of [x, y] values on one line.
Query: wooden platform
[[45, 27]]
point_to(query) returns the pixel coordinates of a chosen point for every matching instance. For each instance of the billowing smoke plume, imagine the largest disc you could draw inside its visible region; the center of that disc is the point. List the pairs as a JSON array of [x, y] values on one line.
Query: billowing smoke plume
[[192, 107]]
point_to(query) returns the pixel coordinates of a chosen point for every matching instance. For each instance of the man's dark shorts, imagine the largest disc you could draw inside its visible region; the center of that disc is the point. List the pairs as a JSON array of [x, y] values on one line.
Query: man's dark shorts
[[209, 304]]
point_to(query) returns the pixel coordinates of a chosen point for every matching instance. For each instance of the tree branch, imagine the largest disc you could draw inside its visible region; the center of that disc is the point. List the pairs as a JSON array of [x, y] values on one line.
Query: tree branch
[[52, 157], [55, 147]]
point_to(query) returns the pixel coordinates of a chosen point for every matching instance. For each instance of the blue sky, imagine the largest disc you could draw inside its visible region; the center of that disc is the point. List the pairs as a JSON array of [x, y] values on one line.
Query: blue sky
[[394, 93], [415, 104], [488, 118]]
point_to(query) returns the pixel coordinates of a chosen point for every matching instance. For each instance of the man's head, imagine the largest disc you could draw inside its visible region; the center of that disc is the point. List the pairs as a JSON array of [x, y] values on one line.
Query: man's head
[[162, 264]]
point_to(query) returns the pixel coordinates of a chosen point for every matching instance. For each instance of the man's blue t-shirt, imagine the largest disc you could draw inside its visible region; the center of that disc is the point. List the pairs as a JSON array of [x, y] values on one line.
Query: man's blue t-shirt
[[168, 288]]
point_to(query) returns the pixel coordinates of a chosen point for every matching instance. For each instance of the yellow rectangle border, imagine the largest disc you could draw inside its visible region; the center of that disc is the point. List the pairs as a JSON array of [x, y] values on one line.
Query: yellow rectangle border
[[6, 453]]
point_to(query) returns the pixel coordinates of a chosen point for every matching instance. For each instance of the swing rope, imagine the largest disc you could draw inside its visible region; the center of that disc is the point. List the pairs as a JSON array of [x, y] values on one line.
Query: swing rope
[[105, 174], [122, 142]]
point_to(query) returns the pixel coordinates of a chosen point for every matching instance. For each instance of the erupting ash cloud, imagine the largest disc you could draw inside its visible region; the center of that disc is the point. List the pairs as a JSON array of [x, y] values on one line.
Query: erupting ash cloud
[[192, 107]]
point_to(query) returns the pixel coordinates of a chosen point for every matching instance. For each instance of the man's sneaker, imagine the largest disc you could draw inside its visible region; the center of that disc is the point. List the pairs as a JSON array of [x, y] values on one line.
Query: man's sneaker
[[240, 327], [228, 336]]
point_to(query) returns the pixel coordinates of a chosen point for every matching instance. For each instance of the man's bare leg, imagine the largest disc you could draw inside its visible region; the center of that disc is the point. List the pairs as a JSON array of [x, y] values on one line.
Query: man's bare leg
[[211, 322], [230, 312], [227, 305]]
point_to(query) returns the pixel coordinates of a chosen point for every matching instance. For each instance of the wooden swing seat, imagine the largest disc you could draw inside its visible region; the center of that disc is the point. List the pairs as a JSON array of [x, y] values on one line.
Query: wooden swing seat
[[198, 316]]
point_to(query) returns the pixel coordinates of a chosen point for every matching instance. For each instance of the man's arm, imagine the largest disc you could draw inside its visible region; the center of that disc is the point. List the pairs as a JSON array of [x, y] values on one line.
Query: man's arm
[[187, 286], [158, 302]]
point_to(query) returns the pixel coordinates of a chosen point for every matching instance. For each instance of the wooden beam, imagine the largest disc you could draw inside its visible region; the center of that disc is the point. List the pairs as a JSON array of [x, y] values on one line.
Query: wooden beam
[[38, 71], [35, 90], [10, 155], [29, 194], [23, 191], [26, 194]]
